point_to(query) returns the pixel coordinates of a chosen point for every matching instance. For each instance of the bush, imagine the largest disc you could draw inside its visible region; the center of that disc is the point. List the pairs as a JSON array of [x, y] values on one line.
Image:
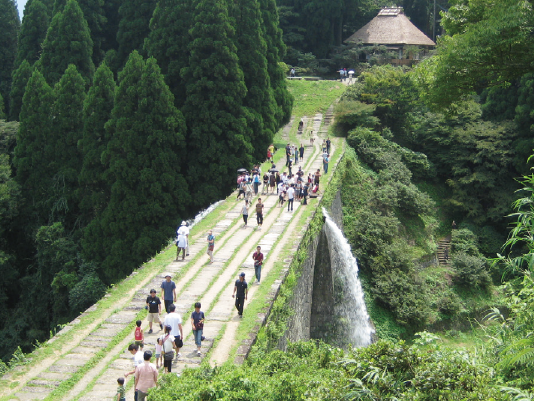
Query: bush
[[86, 292], [464, 241], [471, 271]]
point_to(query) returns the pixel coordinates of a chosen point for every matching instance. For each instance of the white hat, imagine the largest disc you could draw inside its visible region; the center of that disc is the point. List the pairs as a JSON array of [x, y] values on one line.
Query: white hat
[[183, 223]]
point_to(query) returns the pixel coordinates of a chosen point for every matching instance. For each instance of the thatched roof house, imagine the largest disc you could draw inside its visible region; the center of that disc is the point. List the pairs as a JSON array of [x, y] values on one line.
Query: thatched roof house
[[393, 29]]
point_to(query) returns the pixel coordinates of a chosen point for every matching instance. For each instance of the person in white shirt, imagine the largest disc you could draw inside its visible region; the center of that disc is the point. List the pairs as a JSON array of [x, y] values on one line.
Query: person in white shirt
[[174, 320], [290, 197], [184, 230], [138, 358], [281, 193]]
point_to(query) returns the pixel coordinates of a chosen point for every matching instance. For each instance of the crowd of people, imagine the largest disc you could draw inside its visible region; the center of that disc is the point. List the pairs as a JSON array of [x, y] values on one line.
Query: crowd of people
[[289, 188]]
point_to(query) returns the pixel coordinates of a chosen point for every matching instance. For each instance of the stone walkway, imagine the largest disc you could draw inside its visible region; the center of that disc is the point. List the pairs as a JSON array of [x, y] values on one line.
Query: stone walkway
[[211, 284]]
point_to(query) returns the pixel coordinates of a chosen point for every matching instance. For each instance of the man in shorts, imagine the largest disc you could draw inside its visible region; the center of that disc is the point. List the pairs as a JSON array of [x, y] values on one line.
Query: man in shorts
[[153, 304], [174, 320], [168, 292]]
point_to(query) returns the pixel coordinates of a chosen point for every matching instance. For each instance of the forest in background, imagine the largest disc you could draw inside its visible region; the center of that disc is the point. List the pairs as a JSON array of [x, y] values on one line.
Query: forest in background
[[118, 120]]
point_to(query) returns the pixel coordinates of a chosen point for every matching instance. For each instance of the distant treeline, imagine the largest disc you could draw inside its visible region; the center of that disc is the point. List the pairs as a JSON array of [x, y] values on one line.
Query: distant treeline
[[99, 164]]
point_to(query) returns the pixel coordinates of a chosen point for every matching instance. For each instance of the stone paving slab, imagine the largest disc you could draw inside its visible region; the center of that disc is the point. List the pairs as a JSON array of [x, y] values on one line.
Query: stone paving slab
[[124, 317], [27, 396], [54, 376]]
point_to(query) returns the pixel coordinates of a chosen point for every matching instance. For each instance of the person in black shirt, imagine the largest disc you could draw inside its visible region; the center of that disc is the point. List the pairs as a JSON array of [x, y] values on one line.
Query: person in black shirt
[[240, 293], [154, 310]]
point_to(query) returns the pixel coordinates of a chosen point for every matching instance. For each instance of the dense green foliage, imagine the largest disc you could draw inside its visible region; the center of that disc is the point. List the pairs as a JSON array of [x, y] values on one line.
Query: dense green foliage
[[32, 32], [385, 370], [275, 53], [259, 102], [147, 185], [68, 41], [168, 42], [62, 143], [31, 158], [94, 191], [490, 43], [134, 24], [9, 26], [20, 79], [218, 139], [93, 12]]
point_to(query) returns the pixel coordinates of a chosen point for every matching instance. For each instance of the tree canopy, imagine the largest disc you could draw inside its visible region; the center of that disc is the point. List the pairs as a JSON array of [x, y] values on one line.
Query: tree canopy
[[68, 41], [9, 26], [491, 44]]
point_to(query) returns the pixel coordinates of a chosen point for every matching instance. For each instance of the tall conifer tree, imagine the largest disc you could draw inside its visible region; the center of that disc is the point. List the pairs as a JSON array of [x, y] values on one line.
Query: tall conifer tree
[[134, 27], [168, 42], [32, 32], [217, 141], [275, 53], [20, 79], [31, 161], [68, 41], [2, 109], [94, 188], [62, 147], [149, 193], [9, 31], [259, 101], [93, 12], [110, 29]]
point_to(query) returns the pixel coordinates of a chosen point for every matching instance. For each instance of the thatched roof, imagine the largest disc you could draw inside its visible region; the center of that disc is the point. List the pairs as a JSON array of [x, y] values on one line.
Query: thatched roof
[[390, 27]]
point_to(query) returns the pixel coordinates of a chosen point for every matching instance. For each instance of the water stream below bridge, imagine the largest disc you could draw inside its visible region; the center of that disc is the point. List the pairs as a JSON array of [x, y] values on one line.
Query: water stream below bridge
[[352, 307]]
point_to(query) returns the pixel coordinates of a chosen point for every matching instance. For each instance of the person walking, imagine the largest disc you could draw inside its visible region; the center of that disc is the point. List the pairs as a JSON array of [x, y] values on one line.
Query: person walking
[[211, 245], [259, 213], [167, 348], [328, 143], [153, 304], [168, 292], [326, 160], [184, 230], [174, 320], [138, 358], [258, 263], [296, 155], [181, 244], [197, 323], [240, 293], [290, 197], [256, 181], [146, 377], [301, 150], [272, 182], [288, 154], [244, 212]]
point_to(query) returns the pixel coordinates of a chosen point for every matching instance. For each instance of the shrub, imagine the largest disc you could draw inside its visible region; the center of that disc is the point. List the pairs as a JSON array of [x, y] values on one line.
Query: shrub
[[471, 271]]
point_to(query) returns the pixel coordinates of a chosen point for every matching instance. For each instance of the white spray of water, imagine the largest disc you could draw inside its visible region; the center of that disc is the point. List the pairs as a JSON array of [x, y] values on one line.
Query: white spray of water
[[353, 306], [202, 214]]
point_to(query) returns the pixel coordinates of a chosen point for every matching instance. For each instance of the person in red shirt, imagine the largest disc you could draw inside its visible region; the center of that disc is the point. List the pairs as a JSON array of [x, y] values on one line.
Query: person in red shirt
[[258, 262]]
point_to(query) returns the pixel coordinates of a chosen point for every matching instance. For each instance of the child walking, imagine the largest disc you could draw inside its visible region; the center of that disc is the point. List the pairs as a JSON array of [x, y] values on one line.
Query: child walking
[[159, 343], [139, 337], [121, 392], [211, 245]]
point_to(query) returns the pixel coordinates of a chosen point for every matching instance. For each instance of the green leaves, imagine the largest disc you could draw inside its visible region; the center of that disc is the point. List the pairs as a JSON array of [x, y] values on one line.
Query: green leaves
[[68, 41], [491, 45]]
